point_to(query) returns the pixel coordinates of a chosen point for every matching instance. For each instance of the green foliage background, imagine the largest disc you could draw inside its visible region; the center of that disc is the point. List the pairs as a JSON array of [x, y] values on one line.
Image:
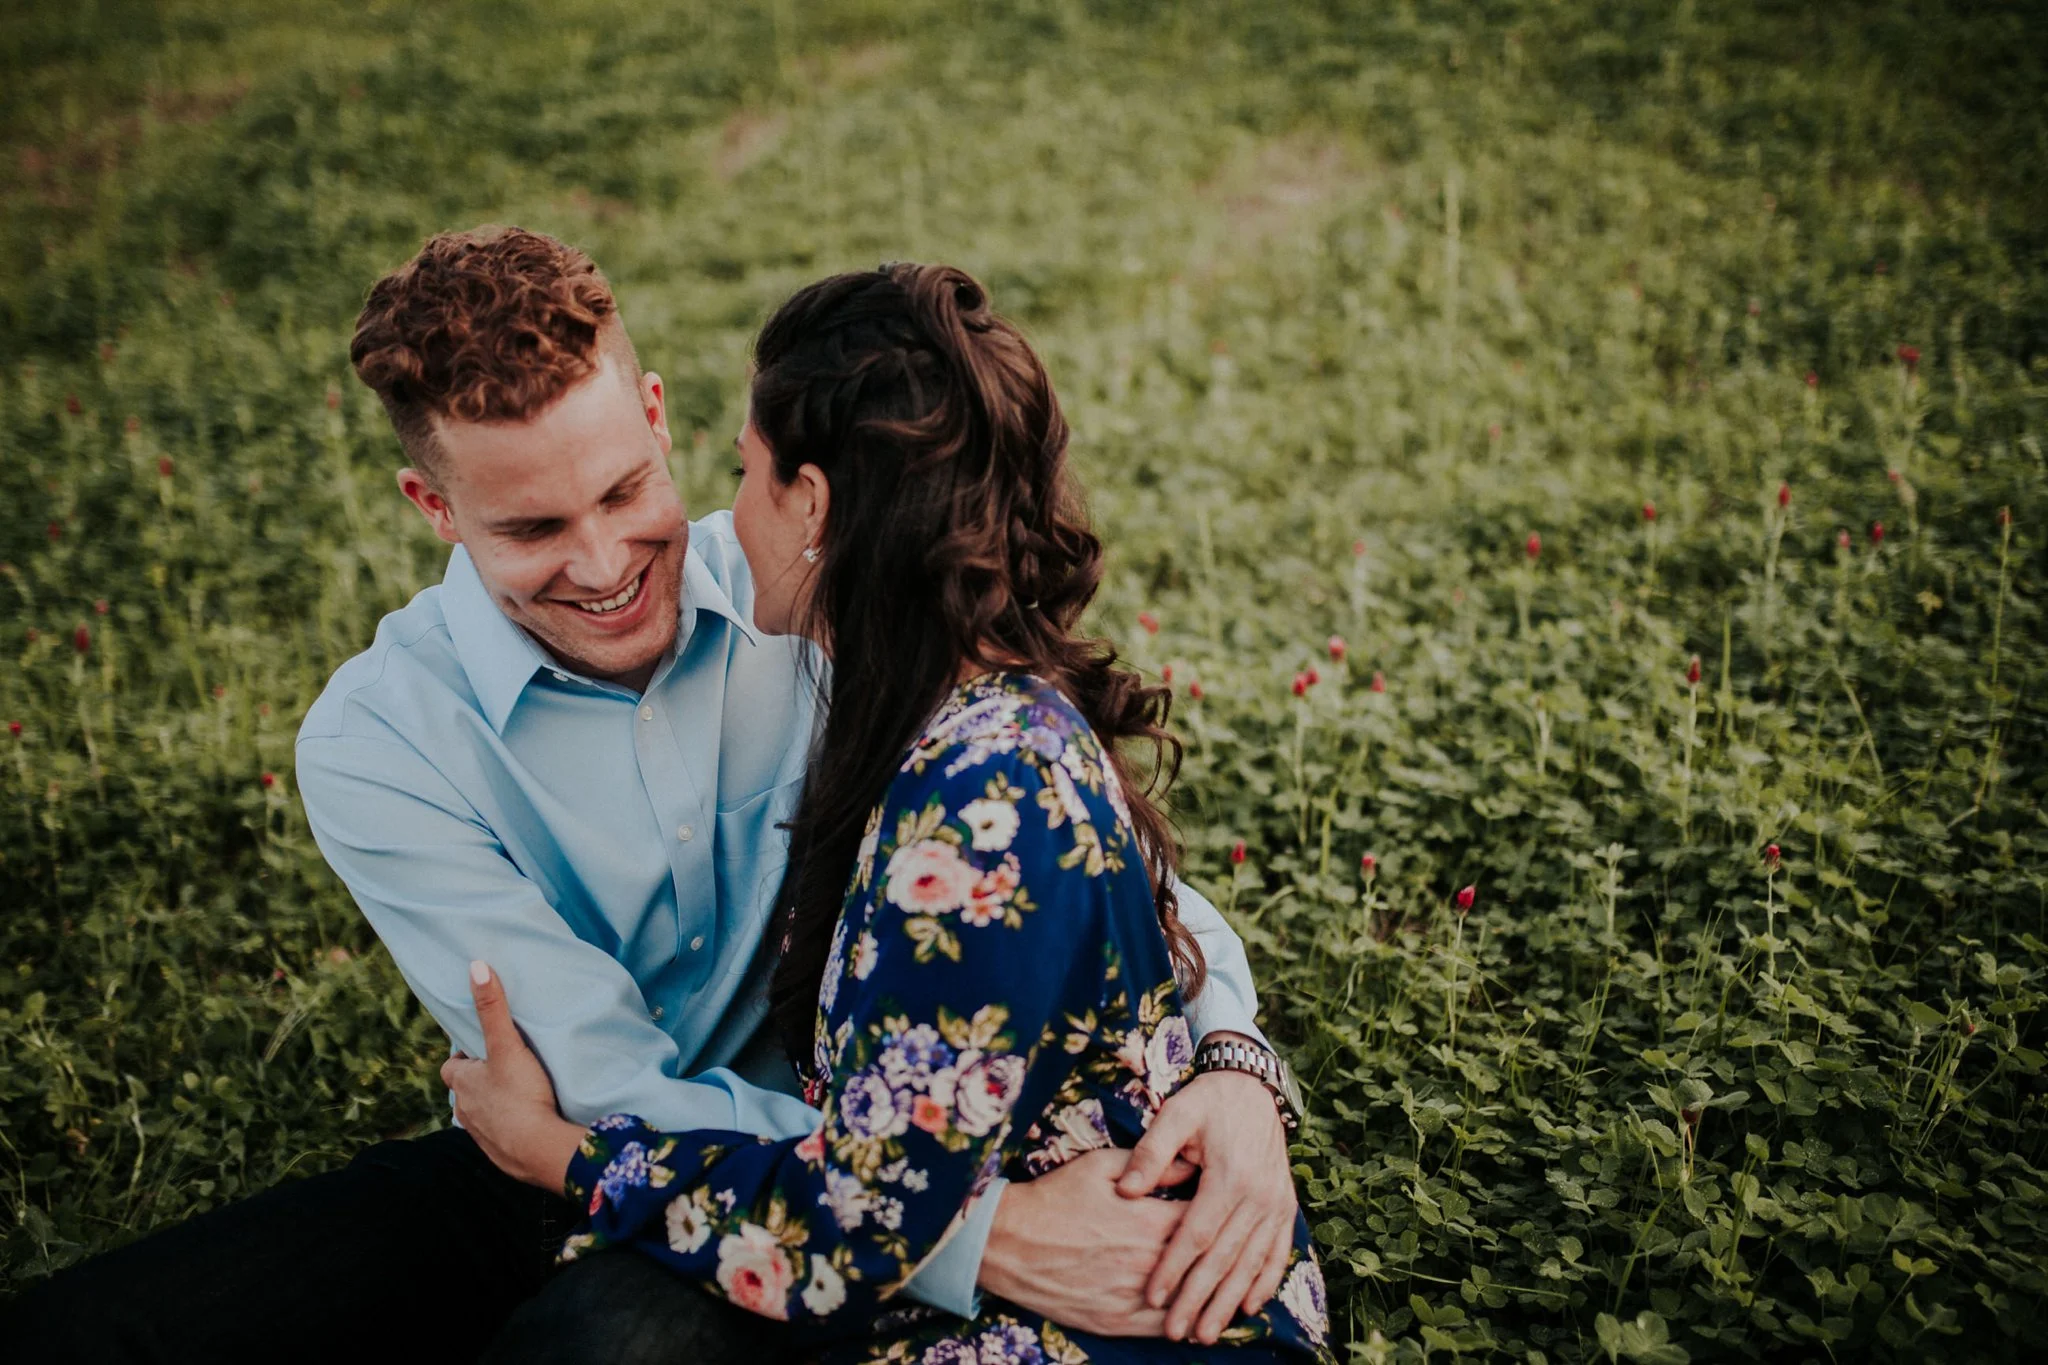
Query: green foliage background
[[1427, 277]]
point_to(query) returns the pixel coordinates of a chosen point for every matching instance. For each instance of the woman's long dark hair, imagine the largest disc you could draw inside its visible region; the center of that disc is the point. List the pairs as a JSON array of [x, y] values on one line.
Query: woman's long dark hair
[[954, 534]]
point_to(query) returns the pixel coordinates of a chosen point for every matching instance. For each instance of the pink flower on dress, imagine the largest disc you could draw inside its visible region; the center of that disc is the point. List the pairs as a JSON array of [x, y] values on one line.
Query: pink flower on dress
[[986, 902], [928, 1114], [754, 1271], [929, 878]]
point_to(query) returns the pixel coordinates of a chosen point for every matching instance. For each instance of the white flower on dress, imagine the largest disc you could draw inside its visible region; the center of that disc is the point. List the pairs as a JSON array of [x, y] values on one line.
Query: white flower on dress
[[1301, 1294], [987, 1088], [994, 823], [1114, 790], [689, 1227], [912, 1057], [826, 1291], [754, 1271], [929, 878], [1070, 799], [835, 967], [848, 1199], [812, 1148], [1009, 1343], [865, 862], [1130, 1050], [865, 950], [1077, 1128], [1168, 1055], [869, 1108]]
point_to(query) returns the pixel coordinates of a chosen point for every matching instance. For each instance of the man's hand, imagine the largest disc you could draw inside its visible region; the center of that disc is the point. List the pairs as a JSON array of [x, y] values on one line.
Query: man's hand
[[1064, 1245], [1232, 1247], [505, 1101]]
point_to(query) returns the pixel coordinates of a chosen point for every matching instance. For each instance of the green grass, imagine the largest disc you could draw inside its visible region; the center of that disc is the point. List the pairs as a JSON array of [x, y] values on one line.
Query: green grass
[[1421, 278]]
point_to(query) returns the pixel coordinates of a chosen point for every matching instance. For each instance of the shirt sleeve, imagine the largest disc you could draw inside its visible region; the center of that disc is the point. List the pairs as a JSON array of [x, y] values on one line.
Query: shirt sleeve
[[1229, 1002], [987, 923], [438, 888]]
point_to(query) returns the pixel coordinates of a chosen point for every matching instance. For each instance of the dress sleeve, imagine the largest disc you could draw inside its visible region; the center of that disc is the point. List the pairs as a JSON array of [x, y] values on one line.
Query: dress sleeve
[[986, 924]]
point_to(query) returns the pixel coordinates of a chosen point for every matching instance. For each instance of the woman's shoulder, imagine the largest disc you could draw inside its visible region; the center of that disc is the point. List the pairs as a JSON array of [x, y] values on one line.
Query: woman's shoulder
[[1005, 719], [1019, 732]]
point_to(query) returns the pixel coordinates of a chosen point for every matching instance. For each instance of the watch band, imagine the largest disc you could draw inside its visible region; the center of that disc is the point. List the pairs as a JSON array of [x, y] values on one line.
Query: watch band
[[1230, 1054]]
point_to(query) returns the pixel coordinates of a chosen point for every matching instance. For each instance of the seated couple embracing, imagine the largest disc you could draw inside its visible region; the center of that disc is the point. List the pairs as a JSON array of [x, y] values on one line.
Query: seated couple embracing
[[820, 982]]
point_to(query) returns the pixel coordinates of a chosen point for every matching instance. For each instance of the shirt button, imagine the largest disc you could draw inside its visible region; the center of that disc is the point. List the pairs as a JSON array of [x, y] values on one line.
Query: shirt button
[[685, 833], [655, 1013], [647, 713], [697, 944], [561, 677]]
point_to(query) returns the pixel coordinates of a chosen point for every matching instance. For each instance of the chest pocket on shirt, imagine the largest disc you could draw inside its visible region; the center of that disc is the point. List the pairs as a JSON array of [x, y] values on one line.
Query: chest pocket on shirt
[[753, 853]]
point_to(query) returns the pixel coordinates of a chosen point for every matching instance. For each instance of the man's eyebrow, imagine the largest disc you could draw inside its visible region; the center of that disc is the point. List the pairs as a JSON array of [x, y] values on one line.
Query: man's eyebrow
[[629, 482], [514, 525]]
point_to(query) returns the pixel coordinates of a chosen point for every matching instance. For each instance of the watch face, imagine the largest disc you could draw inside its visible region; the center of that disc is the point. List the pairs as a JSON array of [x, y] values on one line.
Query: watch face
[[1289, 1087]]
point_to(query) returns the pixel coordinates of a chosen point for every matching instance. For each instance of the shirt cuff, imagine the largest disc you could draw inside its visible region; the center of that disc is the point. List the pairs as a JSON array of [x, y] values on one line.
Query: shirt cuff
[[1219, 1009], [949, 1280]]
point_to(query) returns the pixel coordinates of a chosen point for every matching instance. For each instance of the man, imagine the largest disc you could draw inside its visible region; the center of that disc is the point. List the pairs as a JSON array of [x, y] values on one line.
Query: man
[[573, 758]]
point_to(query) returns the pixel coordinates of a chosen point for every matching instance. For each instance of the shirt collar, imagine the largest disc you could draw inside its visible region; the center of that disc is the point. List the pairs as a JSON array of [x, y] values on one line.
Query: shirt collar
[[500, 659]]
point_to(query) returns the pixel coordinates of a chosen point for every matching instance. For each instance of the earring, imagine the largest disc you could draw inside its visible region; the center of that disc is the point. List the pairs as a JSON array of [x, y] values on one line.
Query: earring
[[810, 554]]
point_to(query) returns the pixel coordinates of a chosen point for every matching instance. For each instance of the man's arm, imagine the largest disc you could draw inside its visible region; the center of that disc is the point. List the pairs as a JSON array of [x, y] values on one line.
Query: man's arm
[[1229, 1002], [435, 884]]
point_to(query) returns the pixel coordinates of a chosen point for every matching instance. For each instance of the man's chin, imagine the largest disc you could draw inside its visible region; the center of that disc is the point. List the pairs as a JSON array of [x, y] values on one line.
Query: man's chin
[[596, 655]]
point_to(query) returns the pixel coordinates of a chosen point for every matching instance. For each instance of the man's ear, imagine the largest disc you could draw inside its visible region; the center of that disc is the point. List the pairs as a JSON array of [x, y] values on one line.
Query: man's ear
[[421, 493], [655, 404]]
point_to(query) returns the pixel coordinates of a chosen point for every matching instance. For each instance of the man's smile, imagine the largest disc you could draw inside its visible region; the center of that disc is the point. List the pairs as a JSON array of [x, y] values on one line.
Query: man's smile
[[623, 608]]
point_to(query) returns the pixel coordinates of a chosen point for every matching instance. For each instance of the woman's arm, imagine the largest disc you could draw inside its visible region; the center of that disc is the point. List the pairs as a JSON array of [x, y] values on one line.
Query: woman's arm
[[986, 926]]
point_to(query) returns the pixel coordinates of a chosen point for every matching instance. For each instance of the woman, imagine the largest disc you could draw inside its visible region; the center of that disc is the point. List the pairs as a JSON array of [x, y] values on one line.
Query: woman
[[982, 969]]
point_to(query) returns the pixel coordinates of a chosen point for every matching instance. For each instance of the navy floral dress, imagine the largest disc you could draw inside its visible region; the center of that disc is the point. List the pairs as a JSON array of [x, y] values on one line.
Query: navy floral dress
[[998, 1000]]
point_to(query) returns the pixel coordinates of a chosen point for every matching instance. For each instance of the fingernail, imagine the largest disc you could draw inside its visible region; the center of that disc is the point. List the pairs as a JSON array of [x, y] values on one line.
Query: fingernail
[[480, 973]]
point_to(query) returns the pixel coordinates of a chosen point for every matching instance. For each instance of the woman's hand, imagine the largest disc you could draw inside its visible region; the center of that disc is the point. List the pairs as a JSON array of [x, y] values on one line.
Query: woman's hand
[[1232, 1246], [505, 1100]]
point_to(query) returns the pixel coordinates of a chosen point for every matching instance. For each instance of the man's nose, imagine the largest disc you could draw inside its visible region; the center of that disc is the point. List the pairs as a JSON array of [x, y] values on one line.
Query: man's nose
[[601, 561]]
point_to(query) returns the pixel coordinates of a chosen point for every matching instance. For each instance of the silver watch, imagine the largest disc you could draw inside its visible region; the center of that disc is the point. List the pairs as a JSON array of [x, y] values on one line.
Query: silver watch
[[1232, 1054]]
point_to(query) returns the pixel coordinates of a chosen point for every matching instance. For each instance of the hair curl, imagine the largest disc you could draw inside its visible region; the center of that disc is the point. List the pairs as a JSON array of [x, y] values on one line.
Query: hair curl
[[489, 325], [956, 534]]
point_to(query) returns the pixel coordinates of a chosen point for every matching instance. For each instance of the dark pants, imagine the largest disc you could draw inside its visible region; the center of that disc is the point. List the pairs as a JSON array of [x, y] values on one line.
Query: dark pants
[[416, 1250]]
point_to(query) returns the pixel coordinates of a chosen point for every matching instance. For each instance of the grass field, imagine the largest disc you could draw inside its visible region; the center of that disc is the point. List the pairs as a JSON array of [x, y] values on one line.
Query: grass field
[[1629, 415]]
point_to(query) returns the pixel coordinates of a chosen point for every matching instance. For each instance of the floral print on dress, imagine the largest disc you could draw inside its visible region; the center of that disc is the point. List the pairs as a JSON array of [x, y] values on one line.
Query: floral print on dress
[[997, 1000]]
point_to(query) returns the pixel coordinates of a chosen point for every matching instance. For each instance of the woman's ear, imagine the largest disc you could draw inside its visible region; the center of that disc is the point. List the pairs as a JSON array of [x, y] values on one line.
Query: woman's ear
[[817, 502]]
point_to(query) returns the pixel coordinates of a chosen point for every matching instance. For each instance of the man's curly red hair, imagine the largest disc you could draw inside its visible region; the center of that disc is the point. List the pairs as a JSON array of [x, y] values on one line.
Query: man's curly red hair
[[489, 325]]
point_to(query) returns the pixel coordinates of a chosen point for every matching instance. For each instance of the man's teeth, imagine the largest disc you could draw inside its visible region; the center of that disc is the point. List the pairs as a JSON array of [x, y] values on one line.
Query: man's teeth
[[611, 604]]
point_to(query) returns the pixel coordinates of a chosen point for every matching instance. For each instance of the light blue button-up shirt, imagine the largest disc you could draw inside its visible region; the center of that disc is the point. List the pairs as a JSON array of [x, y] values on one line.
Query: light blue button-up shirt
[[614, 856]]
